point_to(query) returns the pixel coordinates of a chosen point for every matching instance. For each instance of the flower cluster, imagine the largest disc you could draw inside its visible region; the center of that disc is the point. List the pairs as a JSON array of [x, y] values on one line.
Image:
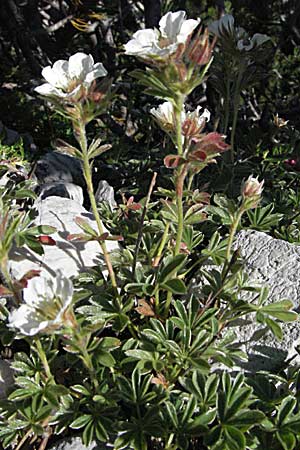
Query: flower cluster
[[47, 300], [174, 30], [225, 26], [69, 80], [198, 147], [251, 192]]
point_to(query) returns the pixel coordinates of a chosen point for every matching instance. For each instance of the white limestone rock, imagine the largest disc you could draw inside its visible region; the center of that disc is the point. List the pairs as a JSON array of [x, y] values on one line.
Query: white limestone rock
[[66, 190], [70, 257], [75, 443], [276, 264]]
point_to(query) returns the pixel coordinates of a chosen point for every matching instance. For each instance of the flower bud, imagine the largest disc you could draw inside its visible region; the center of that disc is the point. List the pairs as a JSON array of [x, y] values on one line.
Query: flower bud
[[251, 192], [200, 49]]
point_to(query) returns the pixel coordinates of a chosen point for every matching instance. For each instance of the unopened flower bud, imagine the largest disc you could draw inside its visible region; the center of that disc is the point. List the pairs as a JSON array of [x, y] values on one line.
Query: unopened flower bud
[[251, 192], [279, 122], [200, 49]]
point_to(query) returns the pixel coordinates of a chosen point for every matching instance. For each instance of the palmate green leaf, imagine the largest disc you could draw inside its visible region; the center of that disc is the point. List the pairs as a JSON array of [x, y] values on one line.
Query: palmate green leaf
[[286, 439], [200, 364], [80, 390], [286, 408], [234, 438], [104, 358], [140, 354], [88, 433], [175, 285], [246, 419], [171, 265], [274, 327], [262, 219], [33, 244], [280, 310], [81, 421], [172, 414], [238, 401], [189, 410], [200, 423], [24, 193], [213, 436], [40, 229]]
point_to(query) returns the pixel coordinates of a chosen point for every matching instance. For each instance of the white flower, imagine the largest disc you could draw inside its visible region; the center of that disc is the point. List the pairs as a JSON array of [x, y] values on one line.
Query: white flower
[[192, 121], [174, 30], [164, 114], [46, 300], [66, 79], [256, 40], [223, 25], [198, 118], [252, 187]]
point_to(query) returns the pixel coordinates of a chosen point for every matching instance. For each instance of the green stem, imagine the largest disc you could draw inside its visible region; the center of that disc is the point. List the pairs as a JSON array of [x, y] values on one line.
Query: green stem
[[86, 358], [236, 104], [88, 179], [162, 244], [227, 103], [43, 358], [179, 191], [232, 232]]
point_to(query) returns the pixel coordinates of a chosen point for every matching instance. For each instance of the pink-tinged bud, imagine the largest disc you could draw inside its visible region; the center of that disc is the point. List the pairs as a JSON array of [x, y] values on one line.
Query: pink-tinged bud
[[213, 143], [252, 187], [291, 162], [173, 161], [207, 147], [200, 49], [46, 240]]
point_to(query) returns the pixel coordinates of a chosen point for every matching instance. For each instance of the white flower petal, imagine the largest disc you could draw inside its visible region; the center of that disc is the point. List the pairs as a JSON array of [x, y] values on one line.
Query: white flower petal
[[259, 39], [206, 115], [98, 71], [164, 113], [46, 300], [223, 25], [142, 42], [50, 75], [48, 90], [61, 71], [80, 65], [186, 29], [170, 24]]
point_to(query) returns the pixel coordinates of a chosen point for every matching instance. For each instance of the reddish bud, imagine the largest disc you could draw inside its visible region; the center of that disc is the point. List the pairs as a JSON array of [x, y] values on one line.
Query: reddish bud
[[145, 309], [212, 143], [200, 49], [173, 161], [46, 240]]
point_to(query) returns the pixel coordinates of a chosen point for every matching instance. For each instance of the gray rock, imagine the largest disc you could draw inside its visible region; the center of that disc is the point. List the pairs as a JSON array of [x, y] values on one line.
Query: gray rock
[[6, 378], [66, 190], [75, 443], [56, 167], [70, 257], [105, 193], [276, 264], [7, 136]]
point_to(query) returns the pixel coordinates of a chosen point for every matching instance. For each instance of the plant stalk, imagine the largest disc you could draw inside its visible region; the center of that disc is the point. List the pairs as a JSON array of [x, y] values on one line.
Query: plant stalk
[[90, 189], [232, 232]]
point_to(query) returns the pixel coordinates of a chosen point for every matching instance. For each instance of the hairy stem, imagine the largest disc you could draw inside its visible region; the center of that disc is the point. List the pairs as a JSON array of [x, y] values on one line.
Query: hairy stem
[[236, 104], [43, 358], [140, 232], [88, 179], [162, 244], [232, 232]]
